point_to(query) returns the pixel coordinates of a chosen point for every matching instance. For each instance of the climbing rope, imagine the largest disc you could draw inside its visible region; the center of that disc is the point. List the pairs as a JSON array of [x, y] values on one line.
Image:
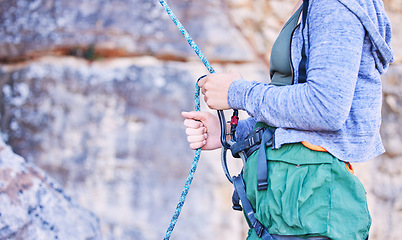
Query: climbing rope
[[225, 144], [187, 36], [189, 178], [197, 108]]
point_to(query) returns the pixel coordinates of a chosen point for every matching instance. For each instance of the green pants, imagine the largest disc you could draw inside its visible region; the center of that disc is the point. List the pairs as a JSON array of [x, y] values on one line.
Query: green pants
[[309, 194]]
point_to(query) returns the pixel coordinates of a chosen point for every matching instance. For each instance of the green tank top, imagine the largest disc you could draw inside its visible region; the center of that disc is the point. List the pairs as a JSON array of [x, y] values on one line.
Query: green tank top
[[281, 69]]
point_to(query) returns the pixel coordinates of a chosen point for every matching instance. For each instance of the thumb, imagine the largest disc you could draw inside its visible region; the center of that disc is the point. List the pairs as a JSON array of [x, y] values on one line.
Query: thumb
[[194, 115]]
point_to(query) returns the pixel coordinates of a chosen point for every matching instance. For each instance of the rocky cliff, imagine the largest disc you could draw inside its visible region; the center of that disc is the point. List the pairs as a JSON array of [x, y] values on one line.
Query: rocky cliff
[[91, 95]]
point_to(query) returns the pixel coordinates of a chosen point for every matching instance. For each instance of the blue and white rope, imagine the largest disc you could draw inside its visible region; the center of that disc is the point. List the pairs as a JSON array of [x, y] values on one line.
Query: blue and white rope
[[187, 36], [189, 177], [197, 108]]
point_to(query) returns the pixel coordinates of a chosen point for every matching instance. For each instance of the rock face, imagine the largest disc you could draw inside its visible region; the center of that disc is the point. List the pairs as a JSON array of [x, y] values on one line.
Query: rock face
[[34, 206], [91, 95], [116, 28]]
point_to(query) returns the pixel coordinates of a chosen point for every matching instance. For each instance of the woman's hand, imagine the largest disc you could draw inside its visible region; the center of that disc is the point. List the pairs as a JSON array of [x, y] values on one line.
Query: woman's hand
[[202, 129], [215, 88]]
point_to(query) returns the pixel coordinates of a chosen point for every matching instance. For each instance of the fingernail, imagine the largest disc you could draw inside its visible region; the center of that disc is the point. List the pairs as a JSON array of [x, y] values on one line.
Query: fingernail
[[205, 136]]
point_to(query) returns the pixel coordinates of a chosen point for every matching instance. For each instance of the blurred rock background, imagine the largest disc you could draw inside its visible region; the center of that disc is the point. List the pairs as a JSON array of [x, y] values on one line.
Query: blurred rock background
[[91, 95]]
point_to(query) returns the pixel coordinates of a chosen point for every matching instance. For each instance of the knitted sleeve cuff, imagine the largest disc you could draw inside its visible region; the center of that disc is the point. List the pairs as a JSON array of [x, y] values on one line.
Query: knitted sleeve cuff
[[237, 94]]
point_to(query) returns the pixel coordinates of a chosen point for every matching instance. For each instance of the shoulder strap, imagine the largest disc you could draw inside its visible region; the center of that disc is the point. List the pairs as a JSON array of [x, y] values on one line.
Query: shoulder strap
[[303, 62]]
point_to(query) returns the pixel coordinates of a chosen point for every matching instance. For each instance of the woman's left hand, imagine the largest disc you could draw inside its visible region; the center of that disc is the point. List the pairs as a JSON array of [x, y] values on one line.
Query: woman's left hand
[[215, 88]]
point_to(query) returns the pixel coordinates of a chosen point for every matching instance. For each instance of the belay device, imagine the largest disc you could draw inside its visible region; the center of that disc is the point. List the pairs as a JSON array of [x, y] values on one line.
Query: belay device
[[257, 140]]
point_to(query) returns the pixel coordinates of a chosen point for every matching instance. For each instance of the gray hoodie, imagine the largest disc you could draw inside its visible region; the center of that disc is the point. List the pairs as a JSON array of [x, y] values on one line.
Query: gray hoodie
[[339, 107]]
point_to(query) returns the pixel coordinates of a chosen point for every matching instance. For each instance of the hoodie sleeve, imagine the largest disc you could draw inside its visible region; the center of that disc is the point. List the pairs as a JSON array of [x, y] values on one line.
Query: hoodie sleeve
[[322, 103]]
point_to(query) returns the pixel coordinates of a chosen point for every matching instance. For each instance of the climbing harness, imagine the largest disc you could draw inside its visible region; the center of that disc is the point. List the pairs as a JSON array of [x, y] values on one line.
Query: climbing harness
[[259, 139]]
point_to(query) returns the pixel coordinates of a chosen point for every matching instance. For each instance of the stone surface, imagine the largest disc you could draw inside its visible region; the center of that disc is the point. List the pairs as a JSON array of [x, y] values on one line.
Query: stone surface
[[113, 130], [91, 95], [34, 206], [122, 28]]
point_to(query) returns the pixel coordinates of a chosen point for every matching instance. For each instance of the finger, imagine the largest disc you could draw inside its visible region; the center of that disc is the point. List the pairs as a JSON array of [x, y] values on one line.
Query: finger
[[195, 131], [195, 115], [202, 81], [188, 114], [191, 123], [197, 138], [197, 145]]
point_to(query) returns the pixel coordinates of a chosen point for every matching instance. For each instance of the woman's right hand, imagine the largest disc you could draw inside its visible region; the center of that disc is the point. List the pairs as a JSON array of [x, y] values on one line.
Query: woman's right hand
[[203, 130]]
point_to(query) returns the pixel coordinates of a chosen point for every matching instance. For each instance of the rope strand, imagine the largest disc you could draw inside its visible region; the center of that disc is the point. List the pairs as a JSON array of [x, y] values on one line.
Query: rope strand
[[197, 108], [187, 36], [190, 176]]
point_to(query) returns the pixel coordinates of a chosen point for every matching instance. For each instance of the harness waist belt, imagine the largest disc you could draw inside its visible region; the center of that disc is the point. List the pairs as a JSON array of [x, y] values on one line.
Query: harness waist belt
[[249, 144], [260, 138]]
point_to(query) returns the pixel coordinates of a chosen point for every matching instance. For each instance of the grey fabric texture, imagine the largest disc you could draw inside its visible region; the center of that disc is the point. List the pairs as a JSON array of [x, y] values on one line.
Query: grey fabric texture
[[339, 107]]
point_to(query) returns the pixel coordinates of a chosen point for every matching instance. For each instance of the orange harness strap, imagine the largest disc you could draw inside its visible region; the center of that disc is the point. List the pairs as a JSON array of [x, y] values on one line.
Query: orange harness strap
[[321, 149], [313, 147], [349, 167]]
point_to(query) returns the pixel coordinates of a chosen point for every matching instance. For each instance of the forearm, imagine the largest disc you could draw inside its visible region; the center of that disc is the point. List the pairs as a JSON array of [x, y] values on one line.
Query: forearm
[[324, 101]]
